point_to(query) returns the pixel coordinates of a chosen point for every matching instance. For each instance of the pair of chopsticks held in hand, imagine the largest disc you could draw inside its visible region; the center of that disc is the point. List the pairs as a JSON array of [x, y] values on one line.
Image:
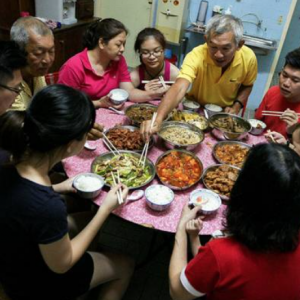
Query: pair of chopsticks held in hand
[[146, 146], [119, 191]]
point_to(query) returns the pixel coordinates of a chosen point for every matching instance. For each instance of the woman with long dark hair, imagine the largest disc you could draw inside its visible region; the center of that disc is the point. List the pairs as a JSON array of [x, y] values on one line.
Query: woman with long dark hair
[[38, 259], [260, 256]]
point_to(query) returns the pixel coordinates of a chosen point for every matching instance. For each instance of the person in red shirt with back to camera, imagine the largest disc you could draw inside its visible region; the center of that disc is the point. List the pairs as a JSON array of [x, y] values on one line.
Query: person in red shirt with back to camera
[[259, 257], [284, 98]]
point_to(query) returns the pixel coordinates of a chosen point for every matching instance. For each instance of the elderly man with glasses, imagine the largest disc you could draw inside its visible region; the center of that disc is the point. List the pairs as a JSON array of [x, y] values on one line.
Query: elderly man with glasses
[[284, 98]]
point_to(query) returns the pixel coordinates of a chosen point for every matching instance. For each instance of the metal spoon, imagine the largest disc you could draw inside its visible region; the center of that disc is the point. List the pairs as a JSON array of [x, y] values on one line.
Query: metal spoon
[[89, 146], [119, 112], [136, 195]]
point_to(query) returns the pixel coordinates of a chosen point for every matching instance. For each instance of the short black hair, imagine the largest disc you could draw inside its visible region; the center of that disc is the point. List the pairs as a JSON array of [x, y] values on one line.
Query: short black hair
[[105, 29], [264, 207], [11, 59], [293, 59]]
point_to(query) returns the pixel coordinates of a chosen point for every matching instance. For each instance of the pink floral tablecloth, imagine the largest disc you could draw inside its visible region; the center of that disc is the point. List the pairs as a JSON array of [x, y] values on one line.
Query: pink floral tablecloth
[[138, 211]]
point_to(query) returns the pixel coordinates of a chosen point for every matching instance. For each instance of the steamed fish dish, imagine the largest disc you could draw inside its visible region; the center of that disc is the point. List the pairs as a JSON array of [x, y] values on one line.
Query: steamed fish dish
[[131, 172]]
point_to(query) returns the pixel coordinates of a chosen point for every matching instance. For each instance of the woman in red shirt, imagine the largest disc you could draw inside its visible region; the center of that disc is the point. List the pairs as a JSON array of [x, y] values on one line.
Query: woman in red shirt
[[260, 256]]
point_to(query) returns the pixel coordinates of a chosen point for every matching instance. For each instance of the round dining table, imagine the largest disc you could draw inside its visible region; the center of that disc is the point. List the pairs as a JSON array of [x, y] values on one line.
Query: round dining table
[[137, 211]]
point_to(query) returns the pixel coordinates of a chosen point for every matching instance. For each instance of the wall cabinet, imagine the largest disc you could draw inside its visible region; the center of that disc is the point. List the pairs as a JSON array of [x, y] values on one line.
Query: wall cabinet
[[68, 38]]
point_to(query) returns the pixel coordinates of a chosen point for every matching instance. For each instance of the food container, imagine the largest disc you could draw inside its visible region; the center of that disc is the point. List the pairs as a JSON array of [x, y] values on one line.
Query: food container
[[179, 162], [118, 96], [222, 181], [190, 117], [258, 126], [180, 127], [105, 157], [88, 185], [210, 201], [138, 113], [123, 143], [241, 126], [212, 109], [190, 105], [235, 156], [159, 197]]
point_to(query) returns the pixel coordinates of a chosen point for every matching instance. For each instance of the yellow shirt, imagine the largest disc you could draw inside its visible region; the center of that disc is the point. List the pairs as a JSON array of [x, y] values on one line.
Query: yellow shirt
[[23, 100], [209, 85]]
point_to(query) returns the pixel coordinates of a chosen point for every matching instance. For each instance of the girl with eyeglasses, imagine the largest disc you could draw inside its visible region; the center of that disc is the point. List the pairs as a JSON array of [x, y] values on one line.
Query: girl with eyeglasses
[[101, 66], [150, 44]]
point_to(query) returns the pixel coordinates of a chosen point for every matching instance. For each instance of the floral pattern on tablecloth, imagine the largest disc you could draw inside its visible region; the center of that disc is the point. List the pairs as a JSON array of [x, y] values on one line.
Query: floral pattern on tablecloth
[[138, 211]]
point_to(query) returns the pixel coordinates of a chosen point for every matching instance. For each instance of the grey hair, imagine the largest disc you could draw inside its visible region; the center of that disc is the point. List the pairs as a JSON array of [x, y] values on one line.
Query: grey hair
[[21, 29], [220, 24]]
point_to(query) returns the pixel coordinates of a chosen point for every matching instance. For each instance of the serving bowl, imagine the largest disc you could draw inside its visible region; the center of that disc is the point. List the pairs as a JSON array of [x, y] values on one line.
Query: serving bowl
[[179, 169], [88, 185], [190, 117], [231, 152], [258, 126], [159, 197], [212, 109], [138, 113], [220, 179], [177, 129], [210, 201], [123, 140], [190, 105], [231, 126], [130, 174], [118, 96]]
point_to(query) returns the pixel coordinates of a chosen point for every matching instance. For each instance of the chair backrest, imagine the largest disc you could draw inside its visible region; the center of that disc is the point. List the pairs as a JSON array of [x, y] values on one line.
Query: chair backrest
[[51, 78]]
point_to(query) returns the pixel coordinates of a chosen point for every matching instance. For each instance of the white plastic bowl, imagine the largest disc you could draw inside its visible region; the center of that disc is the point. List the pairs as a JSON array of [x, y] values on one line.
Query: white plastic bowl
[[159, 197], [209, 200], [212, 109], [118, 96], [258, 126], [88, 185]]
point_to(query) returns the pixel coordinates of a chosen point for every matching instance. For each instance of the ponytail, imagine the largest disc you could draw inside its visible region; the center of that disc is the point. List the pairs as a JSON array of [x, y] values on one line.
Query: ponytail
[[12, 136]]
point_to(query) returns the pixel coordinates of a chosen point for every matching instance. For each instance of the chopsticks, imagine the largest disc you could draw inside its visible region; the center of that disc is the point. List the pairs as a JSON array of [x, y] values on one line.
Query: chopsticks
[[146, 146], [119, 192], [271, 137], [274, 113], [110, 145], [161, 79], [166, 82]]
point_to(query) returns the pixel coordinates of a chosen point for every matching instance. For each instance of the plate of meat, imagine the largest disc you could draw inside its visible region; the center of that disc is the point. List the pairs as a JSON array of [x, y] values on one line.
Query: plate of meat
[[127, 138]]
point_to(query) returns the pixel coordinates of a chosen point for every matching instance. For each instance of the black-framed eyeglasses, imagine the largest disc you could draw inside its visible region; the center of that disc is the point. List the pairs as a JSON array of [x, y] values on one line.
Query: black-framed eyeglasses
[[16, 90], [155, 53]]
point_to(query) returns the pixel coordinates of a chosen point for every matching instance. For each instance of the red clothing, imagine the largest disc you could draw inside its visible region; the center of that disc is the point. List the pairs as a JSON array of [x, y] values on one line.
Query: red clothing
[[78, 73], [226, 270], [166, 75], [274, 101]]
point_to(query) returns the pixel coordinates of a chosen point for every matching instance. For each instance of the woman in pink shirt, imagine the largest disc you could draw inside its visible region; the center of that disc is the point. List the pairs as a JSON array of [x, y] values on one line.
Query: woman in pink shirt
[[101, 66], [150, 44]]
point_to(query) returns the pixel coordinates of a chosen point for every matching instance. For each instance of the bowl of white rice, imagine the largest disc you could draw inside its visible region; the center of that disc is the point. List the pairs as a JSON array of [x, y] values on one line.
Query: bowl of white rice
[[210, 201], [212, 109], [159, 197], [118, 96], [88, 185]]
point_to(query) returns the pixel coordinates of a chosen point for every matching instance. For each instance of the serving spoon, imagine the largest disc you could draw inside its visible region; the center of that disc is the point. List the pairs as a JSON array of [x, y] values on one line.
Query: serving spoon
[[136, 195], [89, 146], [119, 112]]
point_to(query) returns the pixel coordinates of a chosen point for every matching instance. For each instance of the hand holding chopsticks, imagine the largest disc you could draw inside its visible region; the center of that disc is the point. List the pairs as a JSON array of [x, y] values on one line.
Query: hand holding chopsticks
[[161, 79], [119, 191], [146, 146], [275, 113]]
